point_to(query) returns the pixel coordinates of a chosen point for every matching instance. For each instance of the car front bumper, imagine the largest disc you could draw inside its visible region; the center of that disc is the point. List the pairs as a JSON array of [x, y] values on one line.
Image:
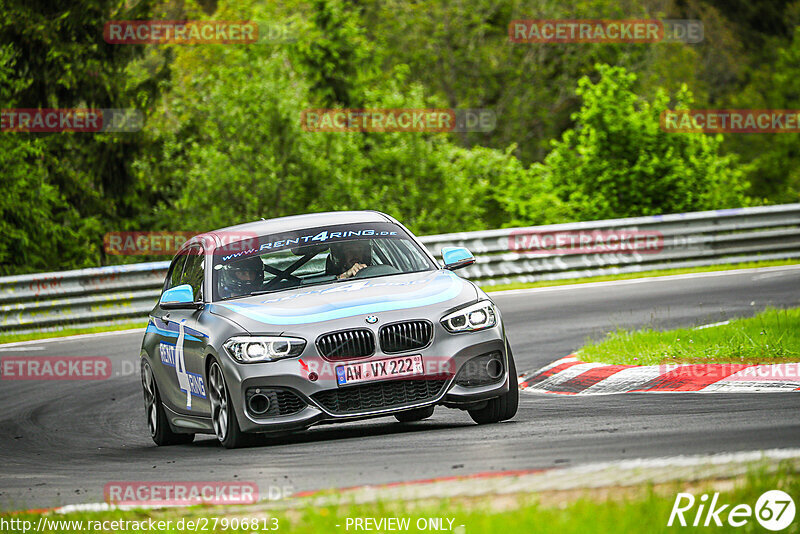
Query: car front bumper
[[448, 352]]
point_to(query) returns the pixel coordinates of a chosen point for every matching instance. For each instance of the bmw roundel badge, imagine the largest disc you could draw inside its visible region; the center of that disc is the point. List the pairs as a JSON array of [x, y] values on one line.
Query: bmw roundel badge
[[372, 319]]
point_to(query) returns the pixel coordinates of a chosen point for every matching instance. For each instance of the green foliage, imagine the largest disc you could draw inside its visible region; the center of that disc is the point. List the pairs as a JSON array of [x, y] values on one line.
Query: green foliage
[[223, 142], [38, 228], [234, 149], [337, 54], [460, 51], [63, 191], [775, 169], [619, 162]]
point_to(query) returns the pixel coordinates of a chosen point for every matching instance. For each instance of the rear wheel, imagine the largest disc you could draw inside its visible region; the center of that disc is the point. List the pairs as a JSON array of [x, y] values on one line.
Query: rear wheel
[[414, 415], [223, 415], [503, 407], [157, 422]]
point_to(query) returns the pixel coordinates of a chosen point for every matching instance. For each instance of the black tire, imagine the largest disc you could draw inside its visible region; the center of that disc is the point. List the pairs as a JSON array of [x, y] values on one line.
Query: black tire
[[504, 407], [417, 414], [157, 422], [223, 416]]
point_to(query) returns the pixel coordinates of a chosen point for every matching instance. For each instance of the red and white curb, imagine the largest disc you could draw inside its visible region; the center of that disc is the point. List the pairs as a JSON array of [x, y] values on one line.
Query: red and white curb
[[571, 376]]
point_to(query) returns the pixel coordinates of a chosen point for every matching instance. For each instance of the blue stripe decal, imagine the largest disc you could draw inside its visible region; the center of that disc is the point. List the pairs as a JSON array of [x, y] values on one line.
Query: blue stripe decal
[[173, 326], [151, 327], [443, 288]]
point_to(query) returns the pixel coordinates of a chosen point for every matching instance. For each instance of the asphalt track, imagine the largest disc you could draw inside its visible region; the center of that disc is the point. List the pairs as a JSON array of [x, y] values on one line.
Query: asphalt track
[[61, 441]]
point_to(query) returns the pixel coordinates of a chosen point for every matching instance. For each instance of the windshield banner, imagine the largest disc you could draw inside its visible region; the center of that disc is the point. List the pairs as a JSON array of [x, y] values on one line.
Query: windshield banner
[[312, 240]]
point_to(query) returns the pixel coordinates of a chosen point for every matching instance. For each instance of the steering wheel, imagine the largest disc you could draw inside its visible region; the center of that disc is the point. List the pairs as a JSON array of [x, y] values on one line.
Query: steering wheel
[[376, 270]]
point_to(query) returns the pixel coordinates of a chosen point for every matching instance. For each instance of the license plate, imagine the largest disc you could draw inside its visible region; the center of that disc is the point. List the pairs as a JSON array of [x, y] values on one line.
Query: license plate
[[354, 373]]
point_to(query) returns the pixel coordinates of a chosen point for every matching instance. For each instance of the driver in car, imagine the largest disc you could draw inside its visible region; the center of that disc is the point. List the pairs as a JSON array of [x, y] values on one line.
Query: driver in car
[[350, 257], [242, 277]]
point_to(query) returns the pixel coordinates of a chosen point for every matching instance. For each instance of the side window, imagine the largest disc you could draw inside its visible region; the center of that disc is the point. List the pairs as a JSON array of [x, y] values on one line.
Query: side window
[[175, 271], [193, 271]]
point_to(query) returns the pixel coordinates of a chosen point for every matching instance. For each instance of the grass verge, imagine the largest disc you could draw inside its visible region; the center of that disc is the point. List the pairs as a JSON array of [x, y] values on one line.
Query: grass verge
[[631, 509], [643, 274], [772, 336]]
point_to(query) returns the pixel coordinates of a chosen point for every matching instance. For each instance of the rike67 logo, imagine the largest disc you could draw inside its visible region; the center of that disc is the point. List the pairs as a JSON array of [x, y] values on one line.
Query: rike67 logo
[[774, 510]]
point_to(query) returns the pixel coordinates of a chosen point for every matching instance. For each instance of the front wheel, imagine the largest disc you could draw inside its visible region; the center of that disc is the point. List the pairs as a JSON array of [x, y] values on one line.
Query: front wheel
[[157, 422], [503, 407], [223, 415]]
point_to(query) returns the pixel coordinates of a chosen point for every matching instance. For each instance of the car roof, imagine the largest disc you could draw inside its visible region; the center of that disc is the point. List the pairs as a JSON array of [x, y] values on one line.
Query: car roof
[[296, 222]]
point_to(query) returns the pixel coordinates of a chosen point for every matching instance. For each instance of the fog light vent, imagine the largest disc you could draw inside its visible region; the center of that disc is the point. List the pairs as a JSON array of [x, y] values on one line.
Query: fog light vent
[[269, 402], [482, 370]]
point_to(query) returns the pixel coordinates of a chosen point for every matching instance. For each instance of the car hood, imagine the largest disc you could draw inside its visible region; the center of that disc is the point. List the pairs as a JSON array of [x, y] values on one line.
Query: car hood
[[287, 309]]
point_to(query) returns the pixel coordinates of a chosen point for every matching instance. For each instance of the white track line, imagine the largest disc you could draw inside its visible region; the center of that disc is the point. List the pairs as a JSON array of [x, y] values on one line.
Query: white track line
[[712, 325], [666, 278], [71, 338]]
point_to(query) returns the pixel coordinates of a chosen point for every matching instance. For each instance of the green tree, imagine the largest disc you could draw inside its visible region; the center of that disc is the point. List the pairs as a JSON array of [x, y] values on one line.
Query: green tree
[[61, 61], [460, 50], [336, 53], [39, 230], [234, 150], [775, 169], [619, 162]]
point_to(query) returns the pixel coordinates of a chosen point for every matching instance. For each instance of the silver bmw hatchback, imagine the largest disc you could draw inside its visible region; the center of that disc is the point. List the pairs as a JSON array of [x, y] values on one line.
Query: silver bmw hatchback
[[278, 325]]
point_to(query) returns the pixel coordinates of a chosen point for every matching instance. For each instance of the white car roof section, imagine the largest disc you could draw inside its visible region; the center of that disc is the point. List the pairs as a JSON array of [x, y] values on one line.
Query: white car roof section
[[311, 220]]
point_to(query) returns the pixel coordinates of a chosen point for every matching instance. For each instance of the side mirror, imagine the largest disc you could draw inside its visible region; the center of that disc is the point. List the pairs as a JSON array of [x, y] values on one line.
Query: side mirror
[[456, 257], [179, 298]]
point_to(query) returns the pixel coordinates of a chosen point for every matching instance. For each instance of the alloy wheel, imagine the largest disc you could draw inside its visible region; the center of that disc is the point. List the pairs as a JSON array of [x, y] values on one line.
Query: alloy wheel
[[219, 401]]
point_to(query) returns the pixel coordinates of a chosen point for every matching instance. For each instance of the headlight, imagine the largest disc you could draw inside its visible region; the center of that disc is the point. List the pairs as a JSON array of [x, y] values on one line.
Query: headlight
[[475, 317], [247, 349]]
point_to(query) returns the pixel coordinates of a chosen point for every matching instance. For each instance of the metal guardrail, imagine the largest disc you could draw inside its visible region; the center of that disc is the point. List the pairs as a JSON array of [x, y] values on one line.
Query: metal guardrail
[[126, 293]]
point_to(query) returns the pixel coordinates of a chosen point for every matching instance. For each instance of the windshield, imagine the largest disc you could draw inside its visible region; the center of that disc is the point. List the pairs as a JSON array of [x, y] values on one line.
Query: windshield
[[315, 256]]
